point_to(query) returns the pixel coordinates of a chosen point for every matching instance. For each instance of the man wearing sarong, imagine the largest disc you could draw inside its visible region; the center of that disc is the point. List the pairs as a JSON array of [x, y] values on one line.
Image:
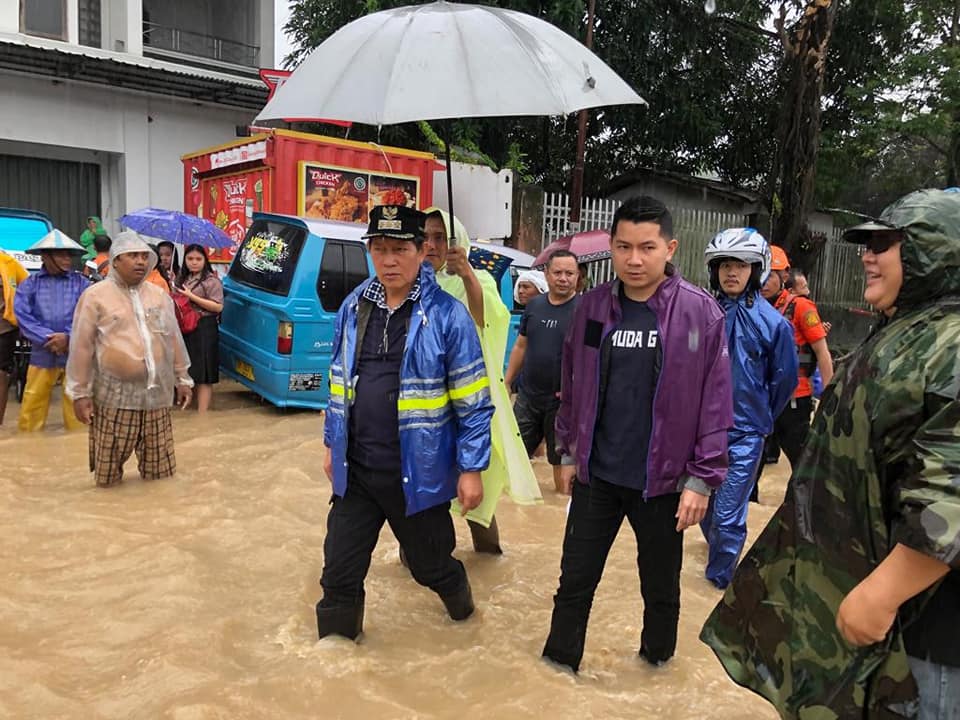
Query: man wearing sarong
[[509, 468], [127, 360]]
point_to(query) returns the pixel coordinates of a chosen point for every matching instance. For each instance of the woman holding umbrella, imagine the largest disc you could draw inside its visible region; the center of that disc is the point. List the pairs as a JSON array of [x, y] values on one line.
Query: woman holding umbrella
[[203, 288]]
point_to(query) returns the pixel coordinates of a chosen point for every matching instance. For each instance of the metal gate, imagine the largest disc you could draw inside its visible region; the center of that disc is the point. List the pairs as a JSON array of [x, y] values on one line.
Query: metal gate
[[66, 191]]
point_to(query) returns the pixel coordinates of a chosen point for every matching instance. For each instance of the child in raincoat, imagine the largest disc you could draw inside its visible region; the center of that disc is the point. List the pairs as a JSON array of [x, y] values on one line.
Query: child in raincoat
[[93, 228]]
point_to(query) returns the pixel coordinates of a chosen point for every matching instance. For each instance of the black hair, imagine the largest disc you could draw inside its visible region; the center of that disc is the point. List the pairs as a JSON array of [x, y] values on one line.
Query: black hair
[[175, 263], [644, 208], [102, 243], [204, 272], [562, 254], [792, 277]]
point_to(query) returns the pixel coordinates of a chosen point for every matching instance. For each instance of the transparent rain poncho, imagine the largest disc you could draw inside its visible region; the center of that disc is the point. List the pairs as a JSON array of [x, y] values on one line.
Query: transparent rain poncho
[[126, 350]]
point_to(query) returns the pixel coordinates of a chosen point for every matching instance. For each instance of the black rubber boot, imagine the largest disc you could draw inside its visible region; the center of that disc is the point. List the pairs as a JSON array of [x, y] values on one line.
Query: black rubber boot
[[403, 559], [459, 605], [485, 540], [346, 621]]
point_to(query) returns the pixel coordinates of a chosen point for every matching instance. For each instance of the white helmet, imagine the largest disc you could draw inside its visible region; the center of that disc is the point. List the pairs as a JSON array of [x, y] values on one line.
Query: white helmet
[[744, 244]]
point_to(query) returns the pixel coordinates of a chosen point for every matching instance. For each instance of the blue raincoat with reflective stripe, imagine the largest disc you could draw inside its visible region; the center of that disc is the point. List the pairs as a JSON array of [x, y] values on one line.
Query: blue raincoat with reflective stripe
[[444, 406]]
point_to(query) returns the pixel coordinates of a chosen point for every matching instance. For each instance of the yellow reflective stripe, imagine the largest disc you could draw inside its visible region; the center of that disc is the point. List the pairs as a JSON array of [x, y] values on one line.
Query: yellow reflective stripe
[[472, 388], [337, 390], [434, 403]]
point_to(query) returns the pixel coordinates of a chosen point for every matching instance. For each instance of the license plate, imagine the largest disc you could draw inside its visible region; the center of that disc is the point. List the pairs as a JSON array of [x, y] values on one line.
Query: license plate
[[245, 369]]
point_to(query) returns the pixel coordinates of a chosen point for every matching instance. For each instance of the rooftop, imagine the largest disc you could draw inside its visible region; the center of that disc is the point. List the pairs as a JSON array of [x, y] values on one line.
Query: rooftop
[[51, 58]]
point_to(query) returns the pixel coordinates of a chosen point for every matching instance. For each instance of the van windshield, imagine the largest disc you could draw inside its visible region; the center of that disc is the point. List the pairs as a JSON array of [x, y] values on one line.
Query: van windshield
[[267, 259]]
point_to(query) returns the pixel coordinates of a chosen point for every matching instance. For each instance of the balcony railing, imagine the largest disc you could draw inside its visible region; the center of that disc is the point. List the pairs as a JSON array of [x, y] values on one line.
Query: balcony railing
[[189, 43]]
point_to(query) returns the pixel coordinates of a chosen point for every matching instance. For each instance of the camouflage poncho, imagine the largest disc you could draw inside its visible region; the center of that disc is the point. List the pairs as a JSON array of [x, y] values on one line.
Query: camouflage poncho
[[881, 467]]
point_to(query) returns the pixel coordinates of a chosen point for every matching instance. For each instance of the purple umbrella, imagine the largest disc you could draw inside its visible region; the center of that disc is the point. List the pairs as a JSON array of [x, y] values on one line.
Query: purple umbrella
[[176, 227], [588, 246]]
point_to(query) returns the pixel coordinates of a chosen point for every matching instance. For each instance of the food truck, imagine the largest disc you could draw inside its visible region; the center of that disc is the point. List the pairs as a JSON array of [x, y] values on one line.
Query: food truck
[[301, 174]]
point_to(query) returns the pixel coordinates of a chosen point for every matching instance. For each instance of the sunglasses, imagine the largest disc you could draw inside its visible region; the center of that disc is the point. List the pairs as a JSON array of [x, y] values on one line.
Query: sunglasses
[[879, 242]]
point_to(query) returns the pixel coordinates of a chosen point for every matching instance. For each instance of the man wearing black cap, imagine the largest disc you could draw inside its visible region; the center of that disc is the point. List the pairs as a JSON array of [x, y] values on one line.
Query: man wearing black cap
[[407, 428]]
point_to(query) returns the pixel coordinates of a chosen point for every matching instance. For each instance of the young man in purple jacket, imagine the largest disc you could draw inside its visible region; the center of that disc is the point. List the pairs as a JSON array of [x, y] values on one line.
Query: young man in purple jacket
[[645, 404]]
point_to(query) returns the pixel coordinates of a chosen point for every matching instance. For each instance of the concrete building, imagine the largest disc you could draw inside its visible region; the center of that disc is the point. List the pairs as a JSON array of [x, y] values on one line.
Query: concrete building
[[100, 98]]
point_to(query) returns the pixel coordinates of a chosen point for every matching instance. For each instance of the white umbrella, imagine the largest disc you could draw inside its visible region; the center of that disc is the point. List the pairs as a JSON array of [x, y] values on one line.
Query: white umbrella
[[447, 60]]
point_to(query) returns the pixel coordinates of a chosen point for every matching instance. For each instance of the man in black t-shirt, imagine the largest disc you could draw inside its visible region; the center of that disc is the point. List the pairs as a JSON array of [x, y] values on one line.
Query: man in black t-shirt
[[537, 353]]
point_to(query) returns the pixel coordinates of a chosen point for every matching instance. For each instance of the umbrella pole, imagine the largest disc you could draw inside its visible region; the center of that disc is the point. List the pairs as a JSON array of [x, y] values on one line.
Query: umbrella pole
[[446, 153]]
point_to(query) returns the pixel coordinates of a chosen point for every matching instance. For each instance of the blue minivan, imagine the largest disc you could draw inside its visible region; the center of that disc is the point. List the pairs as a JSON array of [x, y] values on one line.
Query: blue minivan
[[19, 229], [281, 296]]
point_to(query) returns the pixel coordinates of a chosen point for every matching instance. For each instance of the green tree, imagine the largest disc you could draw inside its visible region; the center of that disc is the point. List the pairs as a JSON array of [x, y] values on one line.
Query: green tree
[[892, 103], [708, 81]]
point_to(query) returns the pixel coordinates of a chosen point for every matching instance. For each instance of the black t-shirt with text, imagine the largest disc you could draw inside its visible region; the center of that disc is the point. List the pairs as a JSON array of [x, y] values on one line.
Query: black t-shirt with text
[[621, 435], [544, 325]]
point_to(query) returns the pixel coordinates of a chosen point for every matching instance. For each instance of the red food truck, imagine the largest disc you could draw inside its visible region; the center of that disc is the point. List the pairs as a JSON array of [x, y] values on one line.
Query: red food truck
[[301, 174]]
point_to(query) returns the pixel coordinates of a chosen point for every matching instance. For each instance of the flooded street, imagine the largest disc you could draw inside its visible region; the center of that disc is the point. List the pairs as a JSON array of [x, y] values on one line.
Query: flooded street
[[192, 598]]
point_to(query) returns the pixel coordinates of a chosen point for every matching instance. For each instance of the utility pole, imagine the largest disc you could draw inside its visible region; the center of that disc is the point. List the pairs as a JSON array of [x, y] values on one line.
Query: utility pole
[[576, 192]]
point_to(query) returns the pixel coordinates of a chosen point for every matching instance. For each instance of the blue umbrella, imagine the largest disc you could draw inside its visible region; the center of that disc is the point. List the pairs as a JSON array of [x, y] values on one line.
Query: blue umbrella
[[494, 263], [177, 227]]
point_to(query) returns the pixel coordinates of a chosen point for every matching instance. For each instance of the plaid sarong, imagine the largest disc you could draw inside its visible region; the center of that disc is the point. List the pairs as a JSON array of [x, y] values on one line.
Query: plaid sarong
[[117, 433]]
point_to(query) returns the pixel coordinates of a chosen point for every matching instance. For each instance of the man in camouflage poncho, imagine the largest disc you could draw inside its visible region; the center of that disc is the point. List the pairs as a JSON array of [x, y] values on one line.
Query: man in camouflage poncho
[[855, 582]]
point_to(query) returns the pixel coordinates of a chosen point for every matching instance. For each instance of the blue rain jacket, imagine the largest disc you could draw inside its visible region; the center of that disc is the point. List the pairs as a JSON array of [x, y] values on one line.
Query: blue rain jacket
[[763, 359], [444, 406]]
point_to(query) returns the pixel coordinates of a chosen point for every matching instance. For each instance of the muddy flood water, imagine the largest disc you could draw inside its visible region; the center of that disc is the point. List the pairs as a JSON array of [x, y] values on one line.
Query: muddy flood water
[[193, 598]]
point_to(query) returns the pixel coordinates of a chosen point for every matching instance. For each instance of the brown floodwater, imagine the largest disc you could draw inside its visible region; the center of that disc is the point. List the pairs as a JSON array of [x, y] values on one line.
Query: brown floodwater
[[192, 598]]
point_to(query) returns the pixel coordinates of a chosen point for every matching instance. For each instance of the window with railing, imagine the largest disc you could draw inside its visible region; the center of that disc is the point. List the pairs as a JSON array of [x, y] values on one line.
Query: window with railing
[[187, 42], [45, 18], [212, 31]]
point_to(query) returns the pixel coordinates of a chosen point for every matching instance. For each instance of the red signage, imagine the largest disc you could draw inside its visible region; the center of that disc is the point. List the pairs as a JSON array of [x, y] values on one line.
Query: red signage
[[229, 202], [274, 80]]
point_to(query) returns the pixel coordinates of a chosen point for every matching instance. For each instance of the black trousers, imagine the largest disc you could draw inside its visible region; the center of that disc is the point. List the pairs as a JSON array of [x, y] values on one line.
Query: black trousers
[[790, 430], [596, 513], [353, 526]]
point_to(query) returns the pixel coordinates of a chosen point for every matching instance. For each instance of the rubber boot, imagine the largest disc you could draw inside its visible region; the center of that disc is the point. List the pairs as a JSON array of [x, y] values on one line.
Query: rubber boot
[[459, 605], [485, 540], [346, 621]]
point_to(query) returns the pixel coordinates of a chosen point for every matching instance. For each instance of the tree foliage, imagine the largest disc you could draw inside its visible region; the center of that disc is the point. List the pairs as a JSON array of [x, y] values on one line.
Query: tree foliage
[[892, 105], [717, 86], [708, 81]]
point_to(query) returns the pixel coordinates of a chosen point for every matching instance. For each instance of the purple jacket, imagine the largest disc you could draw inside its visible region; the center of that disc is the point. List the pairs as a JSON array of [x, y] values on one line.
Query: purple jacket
[[44, 305], [693, 402]]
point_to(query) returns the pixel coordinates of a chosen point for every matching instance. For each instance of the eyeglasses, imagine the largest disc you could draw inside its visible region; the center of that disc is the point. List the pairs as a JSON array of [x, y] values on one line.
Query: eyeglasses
[[880, 241]]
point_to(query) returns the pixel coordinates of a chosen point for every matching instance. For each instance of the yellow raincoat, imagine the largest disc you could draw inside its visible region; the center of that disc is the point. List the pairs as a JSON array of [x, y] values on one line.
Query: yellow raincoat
[[509, 468], [12, 274]]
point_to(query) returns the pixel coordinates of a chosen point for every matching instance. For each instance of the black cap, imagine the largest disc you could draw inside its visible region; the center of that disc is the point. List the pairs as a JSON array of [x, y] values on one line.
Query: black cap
[[861, 233], [396, 221]]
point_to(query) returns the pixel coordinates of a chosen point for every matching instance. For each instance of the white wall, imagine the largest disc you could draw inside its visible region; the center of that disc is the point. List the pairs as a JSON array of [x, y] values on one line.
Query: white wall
[[267, 38], [138, 140], [482, 199], [10, 16]]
